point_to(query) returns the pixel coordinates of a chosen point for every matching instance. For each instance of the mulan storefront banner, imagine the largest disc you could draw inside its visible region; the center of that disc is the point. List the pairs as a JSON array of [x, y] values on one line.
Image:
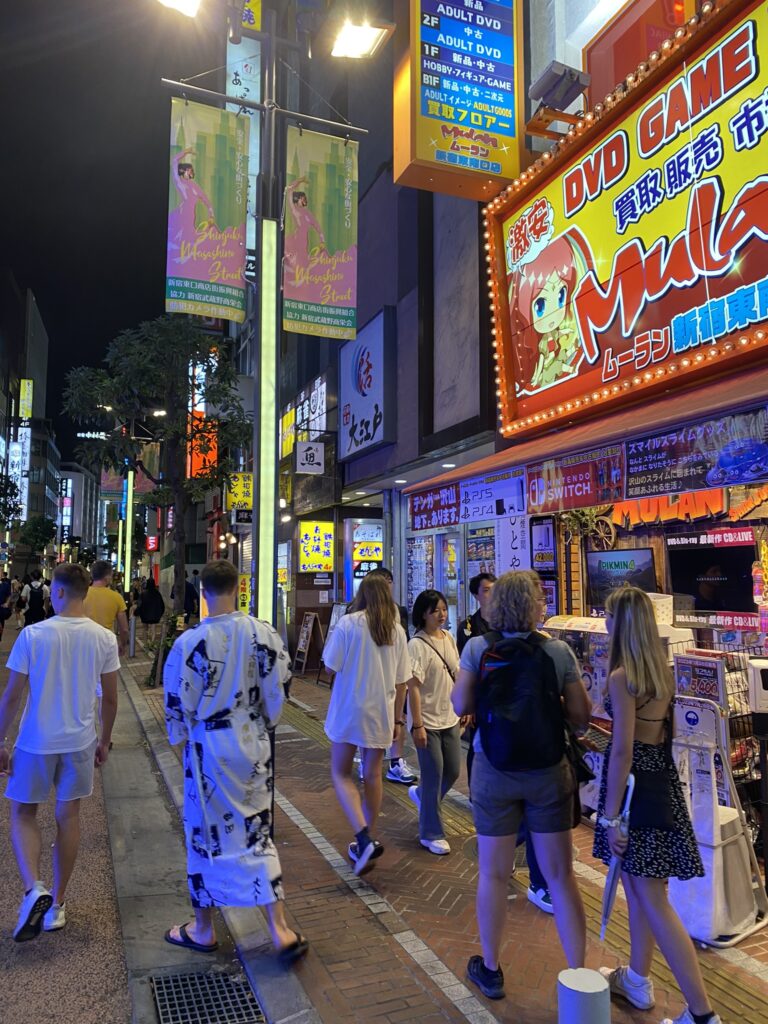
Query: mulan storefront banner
[[205, 270], [320, 249]]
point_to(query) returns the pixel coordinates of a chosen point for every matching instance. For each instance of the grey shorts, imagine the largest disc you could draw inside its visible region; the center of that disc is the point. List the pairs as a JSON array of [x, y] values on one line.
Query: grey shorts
[[32, 775], [502, 800]]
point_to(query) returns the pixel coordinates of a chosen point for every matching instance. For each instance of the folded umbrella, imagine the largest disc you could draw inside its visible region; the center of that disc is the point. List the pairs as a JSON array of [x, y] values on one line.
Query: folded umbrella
[[614, 871]]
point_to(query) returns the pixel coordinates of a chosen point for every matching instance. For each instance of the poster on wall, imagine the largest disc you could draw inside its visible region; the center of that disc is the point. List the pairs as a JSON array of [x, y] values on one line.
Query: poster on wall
[[642, 264], [543, 544], [420, 566], [481, 550], [577, 481], [716, 453], [205, 267], [320, 247], [513, 548], [367, 387], [494, 496], [316, 547]]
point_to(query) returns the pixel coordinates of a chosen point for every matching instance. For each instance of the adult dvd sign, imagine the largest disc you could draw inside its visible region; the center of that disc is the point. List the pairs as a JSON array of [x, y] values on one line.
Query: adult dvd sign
[[640, 266]]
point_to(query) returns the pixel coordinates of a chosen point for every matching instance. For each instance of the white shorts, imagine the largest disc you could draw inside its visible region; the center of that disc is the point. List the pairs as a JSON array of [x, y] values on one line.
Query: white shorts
[[32, 775]]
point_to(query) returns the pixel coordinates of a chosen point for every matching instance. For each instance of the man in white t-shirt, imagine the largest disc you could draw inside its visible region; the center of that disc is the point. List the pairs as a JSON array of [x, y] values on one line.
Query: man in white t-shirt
[[61, 660]]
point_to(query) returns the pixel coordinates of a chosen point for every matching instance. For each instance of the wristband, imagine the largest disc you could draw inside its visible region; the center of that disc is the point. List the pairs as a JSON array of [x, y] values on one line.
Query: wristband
[[416, 727], [609, 822], [399, 721]]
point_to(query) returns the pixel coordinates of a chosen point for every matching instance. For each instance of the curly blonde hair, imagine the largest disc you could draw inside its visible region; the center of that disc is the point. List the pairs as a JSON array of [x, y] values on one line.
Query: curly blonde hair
[[516, 601]]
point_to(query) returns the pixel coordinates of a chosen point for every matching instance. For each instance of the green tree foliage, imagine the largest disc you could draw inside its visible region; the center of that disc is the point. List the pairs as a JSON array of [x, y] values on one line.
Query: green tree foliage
[[10, 505], [37, 533], [147, 369]]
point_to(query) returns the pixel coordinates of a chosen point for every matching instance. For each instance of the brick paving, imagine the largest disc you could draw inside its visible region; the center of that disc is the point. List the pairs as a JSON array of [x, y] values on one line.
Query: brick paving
[[394, 947]]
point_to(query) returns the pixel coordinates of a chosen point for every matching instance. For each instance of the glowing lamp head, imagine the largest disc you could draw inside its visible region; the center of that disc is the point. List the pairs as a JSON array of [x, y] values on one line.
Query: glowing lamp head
[[188, 7], [361, 41]]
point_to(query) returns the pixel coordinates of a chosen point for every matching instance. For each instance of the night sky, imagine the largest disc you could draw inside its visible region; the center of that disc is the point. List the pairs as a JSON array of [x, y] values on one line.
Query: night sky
[[84, 135]]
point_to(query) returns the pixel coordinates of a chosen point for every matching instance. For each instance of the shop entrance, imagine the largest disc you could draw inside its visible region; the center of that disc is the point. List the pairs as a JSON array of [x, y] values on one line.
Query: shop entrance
[[447, 574]]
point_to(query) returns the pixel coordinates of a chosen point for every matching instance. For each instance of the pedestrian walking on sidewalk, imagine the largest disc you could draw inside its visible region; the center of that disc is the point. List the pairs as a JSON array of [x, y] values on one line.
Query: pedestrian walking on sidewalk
[[368, 654], [61, 661], [661, 843], [105, 606], [150, 610], [224, 682], [520, 685], [36, 595], [434, 724]]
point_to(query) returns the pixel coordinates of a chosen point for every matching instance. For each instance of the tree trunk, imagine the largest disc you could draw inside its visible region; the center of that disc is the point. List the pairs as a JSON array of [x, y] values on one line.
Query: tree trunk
[[176, 471]]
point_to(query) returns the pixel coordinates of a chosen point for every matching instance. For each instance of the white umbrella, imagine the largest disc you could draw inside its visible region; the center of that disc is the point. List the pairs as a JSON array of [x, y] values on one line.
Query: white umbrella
[[614, 871]]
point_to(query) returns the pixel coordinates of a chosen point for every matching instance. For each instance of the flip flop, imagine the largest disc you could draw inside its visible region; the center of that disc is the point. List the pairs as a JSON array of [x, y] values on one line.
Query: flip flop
[[188, 943], [288, 955]]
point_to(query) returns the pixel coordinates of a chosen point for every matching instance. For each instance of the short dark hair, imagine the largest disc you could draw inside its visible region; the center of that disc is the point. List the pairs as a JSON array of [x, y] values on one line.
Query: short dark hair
[[36, 574], [474, 583], [219, 577], [73, 577], [101, 569], [426, 602], [381, 571]]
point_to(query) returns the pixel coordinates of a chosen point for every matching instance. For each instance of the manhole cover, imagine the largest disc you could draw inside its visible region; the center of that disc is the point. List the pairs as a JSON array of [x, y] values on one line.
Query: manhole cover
[[205, 998]]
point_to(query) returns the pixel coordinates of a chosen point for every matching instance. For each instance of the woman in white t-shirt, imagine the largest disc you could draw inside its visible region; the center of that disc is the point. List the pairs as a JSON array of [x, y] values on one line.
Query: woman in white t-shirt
[[434, 724], [368, 654]]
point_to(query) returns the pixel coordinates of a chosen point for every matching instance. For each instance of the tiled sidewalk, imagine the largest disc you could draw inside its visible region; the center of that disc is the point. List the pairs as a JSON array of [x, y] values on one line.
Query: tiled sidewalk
[[393, 947]]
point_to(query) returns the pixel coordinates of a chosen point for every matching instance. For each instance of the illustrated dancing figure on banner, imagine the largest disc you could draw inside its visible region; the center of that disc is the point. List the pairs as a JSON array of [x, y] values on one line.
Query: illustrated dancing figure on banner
[[182, 220], [297, 247]]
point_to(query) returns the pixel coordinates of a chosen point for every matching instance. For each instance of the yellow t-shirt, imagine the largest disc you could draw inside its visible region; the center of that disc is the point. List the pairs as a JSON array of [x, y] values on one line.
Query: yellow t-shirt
[[102, 605]]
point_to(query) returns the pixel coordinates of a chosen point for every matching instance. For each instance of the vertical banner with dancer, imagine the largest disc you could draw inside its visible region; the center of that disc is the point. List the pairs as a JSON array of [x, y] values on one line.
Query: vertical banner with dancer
[[207, 207], [320, 218]]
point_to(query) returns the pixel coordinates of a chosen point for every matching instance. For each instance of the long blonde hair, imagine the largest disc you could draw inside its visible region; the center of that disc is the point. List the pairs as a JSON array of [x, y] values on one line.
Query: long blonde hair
[[375, 599], [635, 645]]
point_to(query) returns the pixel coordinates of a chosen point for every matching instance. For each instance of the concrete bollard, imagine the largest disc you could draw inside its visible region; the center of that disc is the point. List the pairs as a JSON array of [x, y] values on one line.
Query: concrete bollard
[[583, 997]]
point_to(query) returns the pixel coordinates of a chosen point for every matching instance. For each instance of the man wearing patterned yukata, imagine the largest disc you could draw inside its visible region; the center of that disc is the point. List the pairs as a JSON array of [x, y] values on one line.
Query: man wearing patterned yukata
[[223, 692]]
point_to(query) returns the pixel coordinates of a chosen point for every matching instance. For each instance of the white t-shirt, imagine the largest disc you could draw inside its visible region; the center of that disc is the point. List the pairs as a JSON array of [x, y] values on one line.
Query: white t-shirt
[[27, 590], [436, 682], [362, 708], [64, 658]]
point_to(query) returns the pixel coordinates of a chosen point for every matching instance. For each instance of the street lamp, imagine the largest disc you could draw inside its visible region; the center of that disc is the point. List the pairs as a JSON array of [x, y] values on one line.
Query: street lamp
[[360, 41], [188, 7]]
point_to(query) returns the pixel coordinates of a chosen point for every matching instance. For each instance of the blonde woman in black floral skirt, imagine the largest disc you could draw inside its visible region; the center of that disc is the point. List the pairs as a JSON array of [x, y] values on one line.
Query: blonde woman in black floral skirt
[[661, 843]]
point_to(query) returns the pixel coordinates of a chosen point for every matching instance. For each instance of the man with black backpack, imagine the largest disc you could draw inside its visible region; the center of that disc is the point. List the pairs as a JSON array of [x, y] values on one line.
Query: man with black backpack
[[522, 687], [36, 596]]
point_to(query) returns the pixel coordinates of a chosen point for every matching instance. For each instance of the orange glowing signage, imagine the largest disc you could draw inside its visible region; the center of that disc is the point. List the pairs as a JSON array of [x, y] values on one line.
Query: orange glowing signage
[[640, 264], [669, 508]]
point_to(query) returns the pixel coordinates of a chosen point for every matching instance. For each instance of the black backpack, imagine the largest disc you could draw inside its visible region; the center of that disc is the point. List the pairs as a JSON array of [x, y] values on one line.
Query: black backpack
[[36, 602], [518, 708]]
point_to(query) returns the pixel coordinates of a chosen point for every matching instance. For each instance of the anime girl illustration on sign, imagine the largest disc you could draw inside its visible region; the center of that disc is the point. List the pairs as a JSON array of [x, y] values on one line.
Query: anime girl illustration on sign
[[542, 275]]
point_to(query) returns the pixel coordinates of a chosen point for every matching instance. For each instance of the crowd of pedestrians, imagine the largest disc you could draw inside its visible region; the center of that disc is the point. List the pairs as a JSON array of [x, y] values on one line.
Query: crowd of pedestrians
[[515, 694]]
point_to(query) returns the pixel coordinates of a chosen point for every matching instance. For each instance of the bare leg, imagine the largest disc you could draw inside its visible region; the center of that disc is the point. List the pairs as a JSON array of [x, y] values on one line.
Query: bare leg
[[641, 941], [673, 940], [373, 788], [398, 747], [282, 934], [497, 857], [200, 930], [554, 852], [27, 842], [347, 793], [66, 845]]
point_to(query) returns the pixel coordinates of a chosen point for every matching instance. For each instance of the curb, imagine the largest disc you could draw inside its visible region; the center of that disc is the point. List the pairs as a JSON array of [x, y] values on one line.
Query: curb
[[281, 994]]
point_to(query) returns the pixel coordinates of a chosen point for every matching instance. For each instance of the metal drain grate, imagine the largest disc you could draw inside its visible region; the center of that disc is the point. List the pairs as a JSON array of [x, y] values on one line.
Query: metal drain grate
[[205, 998]]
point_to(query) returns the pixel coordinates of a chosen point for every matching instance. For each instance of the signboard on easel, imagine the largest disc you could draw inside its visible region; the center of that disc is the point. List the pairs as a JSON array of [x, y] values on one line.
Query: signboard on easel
[[311, 631]]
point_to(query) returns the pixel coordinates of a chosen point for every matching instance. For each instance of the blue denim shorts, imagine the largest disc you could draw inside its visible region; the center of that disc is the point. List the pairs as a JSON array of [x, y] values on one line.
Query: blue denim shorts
[[502, 800]]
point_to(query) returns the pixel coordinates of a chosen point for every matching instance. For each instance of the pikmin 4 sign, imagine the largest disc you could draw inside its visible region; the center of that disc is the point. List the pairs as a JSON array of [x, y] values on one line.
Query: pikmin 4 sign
[[642, 265]]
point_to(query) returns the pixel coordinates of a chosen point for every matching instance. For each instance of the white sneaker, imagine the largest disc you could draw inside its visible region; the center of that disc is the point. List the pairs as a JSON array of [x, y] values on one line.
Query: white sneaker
[[437, 846], [640, 995], [686, 1018], [55, 918], [413, 793], [34, 905], [401, 772]]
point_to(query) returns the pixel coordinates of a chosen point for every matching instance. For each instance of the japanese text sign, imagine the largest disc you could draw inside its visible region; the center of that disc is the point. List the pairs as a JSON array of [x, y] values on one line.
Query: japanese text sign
[[458, 116], [244, 593], [723, 452], [310, 457], [26, 391], [365, 392], [490, 497], [436, 507], [240, 491], [577, 481], [513, 549], [701, 677], [316, 547], [644, 261]]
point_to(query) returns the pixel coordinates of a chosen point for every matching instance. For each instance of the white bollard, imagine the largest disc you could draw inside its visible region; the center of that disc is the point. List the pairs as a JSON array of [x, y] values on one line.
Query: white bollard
[[583, 997]]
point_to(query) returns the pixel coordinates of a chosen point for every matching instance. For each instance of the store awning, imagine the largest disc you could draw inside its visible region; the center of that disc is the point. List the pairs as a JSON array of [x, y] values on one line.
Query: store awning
[[709, 400]]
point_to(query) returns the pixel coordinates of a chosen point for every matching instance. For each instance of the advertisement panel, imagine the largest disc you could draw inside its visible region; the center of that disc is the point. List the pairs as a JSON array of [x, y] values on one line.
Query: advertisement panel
[[576, 481], [26, 394], [366, 394], [544, 544], [481, 550], [711, 575], [320, 249], [19, 453], [207, 211], [244, 81], [717, 453], [316, 547], [641, 266], [239, 493], [459, 120], [513, 548], [438, 506], [491, 497], [701, 676]]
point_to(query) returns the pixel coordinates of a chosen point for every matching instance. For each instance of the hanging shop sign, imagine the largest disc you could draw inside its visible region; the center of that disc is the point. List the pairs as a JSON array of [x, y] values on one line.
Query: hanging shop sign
[[153, 543], [670, 508], [207, 211], [491, 497], [543, 545], [287, 431], [311, 407], [239, 494], [19, 454], [438, 506], [316, 547], [320, 251], [458, 102], [367, 387], [244, 82], [251, 19], [513, 548], [576, 481], [641, 267], [717, 453], [310, 457], [26, 394]]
